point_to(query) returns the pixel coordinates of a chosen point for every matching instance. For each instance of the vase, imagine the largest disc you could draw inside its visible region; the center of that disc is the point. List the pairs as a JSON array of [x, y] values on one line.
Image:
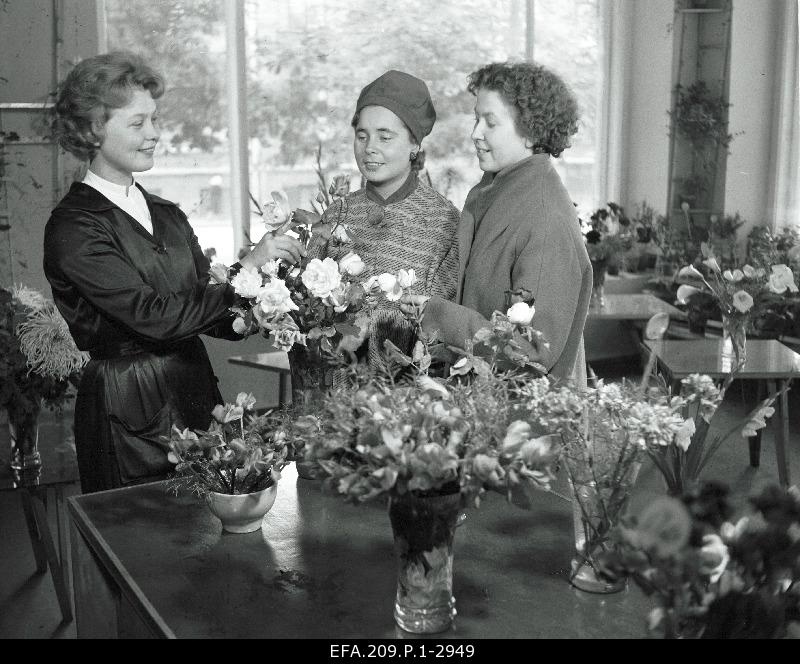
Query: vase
[[308, 389], [242, 513], [25, 459], [599, 270], [595, 512], [423, 530], [734, 340]]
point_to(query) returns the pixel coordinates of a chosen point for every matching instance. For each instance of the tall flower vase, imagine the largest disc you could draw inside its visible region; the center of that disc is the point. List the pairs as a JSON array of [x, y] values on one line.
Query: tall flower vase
[[595, 512], [308, 386], [734, 340], [599, 271], [26, 461], [423, 531]]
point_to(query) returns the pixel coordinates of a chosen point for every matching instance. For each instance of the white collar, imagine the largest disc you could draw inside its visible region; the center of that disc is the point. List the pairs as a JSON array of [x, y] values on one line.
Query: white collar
[[107, 187]]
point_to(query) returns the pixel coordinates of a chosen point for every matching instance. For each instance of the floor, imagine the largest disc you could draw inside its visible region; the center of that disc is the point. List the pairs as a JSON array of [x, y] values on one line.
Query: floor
[[28, 606]]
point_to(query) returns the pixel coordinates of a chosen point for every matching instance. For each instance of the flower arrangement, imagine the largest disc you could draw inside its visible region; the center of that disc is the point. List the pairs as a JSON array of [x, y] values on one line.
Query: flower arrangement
[[428, 436], [740, 293], [682, 459], [38, 358], [608, 234], [239, 453], [712, 578], [605, 431]]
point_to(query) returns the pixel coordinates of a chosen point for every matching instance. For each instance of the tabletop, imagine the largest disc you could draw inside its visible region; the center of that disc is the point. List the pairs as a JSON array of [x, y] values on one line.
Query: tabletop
[[323, 568], [766, 358], [633, 307]]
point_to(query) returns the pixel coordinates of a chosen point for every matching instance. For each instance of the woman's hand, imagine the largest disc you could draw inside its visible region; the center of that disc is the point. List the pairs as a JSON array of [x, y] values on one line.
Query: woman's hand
[[274, 246], [413, 306]]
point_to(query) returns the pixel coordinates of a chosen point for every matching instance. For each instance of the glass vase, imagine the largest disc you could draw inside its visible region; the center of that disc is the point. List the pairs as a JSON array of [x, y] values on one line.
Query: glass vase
[[423, 530], [734, 340], [308, 388], [25, 459], [599, 271]]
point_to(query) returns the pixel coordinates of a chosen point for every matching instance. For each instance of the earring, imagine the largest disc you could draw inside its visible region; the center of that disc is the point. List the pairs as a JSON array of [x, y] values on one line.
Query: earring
[[414, 154]]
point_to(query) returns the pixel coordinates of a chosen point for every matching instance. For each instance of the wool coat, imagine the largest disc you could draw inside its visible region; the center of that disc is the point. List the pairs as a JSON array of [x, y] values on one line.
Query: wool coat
[[519, 229]]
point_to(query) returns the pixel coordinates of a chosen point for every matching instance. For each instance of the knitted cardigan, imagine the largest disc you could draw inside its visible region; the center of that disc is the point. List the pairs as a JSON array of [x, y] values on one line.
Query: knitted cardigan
[[415, 229]]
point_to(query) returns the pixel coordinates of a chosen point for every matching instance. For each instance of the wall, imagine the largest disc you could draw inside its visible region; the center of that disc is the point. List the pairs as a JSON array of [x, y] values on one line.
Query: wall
[[646, 140], [752, 97]]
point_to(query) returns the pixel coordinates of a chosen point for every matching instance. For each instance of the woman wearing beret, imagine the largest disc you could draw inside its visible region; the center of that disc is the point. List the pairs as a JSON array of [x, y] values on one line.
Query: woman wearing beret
[[131, 280], [395, 221], [519, 231]]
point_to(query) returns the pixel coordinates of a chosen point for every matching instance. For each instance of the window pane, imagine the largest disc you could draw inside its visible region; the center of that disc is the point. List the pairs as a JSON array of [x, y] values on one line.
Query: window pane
[[185, 41], [308, 60]]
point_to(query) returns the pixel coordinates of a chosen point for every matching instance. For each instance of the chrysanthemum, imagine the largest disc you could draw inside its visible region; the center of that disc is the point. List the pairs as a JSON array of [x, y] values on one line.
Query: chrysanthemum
[[45, 341]]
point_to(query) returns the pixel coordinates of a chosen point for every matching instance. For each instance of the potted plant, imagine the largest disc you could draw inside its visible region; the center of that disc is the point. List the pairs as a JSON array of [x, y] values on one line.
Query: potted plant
[[607, 236], [234, 465]]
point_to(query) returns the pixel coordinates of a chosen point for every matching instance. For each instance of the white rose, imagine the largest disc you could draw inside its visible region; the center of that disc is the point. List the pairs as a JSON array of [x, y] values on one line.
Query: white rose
[[270, 268], [390, 286], [340, 235], [781, 279], [218, 273], [239, 326], [338, 298], [520, 313], [406, 278], [247, 282], [275, 298], [352, 264], [321, 277]]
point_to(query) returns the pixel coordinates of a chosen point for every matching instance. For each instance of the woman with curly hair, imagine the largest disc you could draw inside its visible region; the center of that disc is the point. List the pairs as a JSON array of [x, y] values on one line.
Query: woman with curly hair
[[131, 280], [519, 237]]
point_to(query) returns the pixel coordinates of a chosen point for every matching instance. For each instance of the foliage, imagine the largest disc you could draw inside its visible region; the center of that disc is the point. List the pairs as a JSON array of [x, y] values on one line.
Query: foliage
[[712, 578], [742, 294], [181, 39], [312, 62], [683, 458], [605, 431], [39, 361], [608, 233], [429, 436], [240, 452], [702, 116]]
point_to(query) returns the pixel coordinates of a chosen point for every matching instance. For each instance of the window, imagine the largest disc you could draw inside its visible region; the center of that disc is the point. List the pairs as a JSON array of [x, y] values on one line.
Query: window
[[307, 60]]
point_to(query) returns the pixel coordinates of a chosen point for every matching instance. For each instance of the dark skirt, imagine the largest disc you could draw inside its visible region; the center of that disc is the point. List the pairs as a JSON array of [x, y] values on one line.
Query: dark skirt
[[128, 400]]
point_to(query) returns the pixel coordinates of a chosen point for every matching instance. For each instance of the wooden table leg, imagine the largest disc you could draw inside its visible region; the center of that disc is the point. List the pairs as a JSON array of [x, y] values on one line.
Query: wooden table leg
[[33, 531], [781, 428], [36, 506]]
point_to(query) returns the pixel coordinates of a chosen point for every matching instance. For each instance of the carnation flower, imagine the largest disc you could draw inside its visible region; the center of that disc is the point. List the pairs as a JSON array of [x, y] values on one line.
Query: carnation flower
[[247, 282]]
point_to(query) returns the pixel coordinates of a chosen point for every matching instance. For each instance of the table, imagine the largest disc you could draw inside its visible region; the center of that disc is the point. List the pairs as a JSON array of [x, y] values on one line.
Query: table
[[276, 361], [768, 361], [59, 469], [634, 307], [147, 563]]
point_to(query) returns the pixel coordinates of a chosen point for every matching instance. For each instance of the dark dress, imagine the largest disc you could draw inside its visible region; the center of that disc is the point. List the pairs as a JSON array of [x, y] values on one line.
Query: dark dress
[[136, 302]]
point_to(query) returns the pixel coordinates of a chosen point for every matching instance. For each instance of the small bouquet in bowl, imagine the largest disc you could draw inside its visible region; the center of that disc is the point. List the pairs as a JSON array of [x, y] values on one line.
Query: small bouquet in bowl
[[240, 453]]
